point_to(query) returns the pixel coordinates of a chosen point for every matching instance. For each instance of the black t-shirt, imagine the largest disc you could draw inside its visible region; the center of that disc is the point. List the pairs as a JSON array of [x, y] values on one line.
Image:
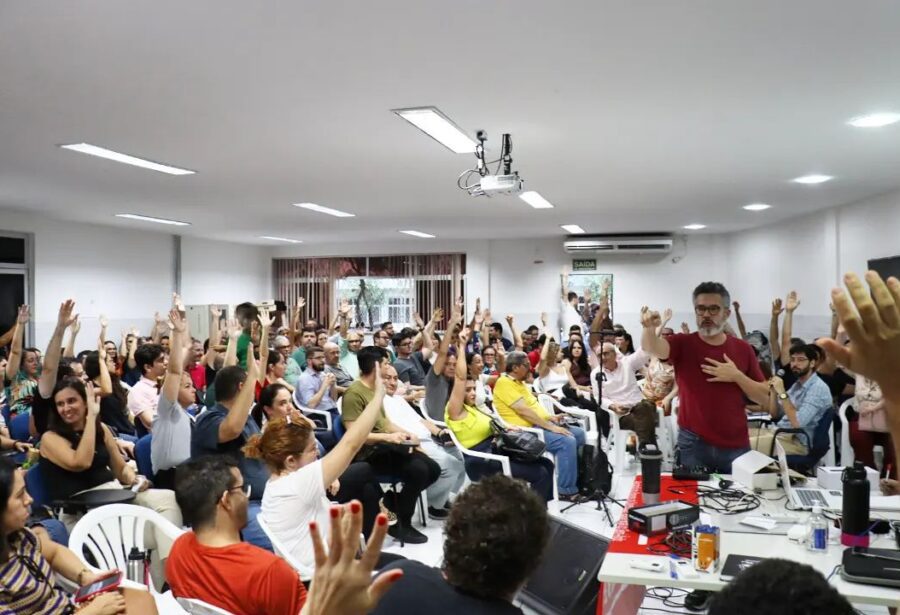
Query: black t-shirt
[[114, 414], [422, 589], [837, 382], [789, 378], [40, 410]]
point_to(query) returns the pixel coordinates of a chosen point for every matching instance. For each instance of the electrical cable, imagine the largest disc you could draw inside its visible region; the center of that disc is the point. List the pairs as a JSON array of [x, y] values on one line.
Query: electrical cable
[[676, 542], [727, 501], [666, 595]]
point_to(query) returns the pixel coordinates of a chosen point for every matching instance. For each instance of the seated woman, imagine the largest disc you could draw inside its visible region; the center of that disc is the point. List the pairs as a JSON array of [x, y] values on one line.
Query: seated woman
[[555, 379], [27, 559], [870, 427], [575, 359], [114, 413], [78, 453], [484, 382], [473, 430], [300, 483]]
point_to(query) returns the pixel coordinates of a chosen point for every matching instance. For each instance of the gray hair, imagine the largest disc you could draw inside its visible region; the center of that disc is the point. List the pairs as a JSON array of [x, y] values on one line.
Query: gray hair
[[281, 340], [515, 359], [713, 288]]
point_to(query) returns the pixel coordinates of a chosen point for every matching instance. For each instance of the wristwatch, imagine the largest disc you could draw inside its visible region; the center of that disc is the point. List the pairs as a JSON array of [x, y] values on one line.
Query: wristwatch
[[782, 396]]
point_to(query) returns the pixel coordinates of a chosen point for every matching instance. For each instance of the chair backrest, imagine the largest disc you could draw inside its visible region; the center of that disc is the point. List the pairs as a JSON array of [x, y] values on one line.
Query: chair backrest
[[198, 607], [282, 551], [338, 427], [142, 455], [18, 427], [821, 442], [847, 455], [34, 484], [109, 532]]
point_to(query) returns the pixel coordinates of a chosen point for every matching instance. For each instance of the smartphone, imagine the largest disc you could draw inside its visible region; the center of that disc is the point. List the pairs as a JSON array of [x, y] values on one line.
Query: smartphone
[[106, 584]]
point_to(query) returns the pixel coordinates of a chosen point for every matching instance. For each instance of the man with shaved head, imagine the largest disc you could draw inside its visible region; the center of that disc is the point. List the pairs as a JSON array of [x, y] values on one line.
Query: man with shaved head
[[616, 385], [333, 366]]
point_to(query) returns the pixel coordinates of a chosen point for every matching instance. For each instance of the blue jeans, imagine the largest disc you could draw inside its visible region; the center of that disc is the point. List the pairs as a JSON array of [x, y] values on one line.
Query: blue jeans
[[565, 451], [252, 533], [693, 452], [57, 531]]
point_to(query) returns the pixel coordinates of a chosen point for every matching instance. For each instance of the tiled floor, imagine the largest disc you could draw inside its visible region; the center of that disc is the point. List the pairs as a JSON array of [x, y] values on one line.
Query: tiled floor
[[584, 515]]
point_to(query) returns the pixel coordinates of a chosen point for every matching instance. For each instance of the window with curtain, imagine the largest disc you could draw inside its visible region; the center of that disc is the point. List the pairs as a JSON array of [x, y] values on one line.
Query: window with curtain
[[380, 288]]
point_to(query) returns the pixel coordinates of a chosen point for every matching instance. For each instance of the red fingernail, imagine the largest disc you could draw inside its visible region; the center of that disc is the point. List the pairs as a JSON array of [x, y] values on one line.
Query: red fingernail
[[381, 519], [355, 507], [334, 513], [312, 525]]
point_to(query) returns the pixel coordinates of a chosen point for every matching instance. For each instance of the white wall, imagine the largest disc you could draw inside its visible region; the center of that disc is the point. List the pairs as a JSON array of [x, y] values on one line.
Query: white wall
[[127, 275]]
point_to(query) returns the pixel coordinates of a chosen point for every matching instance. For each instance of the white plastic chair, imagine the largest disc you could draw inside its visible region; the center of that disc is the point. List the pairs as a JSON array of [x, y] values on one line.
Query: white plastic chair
[[198, 607], [503, 460], [283, 552], [847, 455], [618, 437], [587, 418], [307, 411], [109, 532]]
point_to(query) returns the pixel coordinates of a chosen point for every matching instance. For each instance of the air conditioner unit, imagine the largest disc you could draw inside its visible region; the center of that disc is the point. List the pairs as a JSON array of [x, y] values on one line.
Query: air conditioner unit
[[652, 243]]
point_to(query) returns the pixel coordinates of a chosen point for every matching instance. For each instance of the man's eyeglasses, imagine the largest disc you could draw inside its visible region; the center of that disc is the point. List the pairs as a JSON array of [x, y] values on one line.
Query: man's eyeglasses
[[712, 310], [246, 488]]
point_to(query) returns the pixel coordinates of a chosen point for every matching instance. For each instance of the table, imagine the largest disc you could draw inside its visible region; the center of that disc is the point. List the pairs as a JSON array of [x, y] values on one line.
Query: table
[[622, 587]]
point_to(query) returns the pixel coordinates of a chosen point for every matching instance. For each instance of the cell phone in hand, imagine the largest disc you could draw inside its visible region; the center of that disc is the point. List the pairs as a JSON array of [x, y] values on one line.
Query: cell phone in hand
[[108, 583]]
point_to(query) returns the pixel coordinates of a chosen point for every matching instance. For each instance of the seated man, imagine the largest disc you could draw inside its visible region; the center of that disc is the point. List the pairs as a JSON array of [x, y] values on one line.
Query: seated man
[[453, 470], [478, 530], [439, 378], [389, 449], [801, 407], [333, 366], [411, 364], [212, 563], [316, 390], [621, 393], [144, 396], [224, 430], [517, 405], [382, 339]]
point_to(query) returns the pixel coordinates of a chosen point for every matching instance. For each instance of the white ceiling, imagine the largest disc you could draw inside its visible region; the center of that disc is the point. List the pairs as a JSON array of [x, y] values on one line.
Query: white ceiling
[[633, 115]]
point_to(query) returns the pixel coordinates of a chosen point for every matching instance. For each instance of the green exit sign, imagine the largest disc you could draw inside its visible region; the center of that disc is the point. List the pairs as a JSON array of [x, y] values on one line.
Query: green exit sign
[[584, 264]]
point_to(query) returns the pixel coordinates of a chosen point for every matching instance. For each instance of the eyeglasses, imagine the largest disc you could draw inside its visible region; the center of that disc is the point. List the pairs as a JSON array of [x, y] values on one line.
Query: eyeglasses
[[246, 488], [712, 310]]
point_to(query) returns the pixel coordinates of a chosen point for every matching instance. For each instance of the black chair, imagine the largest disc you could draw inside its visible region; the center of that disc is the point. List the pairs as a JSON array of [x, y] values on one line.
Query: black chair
[[805, 464]]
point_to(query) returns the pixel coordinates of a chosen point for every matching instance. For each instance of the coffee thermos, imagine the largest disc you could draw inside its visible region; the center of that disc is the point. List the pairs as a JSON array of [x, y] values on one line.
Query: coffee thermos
[[855, 509], [651, 464], [137, 568]]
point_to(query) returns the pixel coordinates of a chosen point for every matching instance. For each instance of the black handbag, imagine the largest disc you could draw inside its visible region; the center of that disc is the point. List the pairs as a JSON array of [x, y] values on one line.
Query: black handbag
[[518, 445]]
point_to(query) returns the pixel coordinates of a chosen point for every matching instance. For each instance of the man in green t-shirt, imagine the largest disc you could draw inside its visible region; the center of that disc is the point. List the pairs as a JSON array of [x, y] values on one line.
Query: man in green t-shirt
[[246, 314]]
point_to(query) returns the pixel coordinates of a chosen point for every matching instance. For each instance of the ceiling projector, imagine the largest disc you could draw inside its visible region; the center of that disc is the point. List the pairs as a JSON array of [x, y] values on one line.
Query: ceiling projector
[[491, 184]]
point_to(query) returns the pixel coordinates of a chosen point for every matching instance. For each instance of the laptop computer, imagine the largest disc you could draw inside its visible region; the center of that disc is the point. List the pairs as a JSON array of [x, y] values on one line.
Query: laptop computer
[[804, 498]]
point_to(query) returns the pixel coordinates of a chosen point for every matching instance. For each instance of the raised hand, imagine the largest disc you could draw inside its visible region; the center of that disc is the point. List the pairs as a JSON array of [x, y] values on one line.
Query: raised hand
[[588, 295], [477, 305], [685, 328], [76, 325], [650, 318], [487, 318], [379, 382], [177, 303], [158, 319], [234, 328], [509, 320], [792, 302], [736, 305], [104, 322], [777, 307], [418, 320], [177, 320], [437, 315], [872, 322], [93, 399], [606, 284], [23, 315], [252, 366], [265, 321], [464, 336], [65, 317], [344, 309], [667, 315], [544, 319], [301, 303], [215, 312]]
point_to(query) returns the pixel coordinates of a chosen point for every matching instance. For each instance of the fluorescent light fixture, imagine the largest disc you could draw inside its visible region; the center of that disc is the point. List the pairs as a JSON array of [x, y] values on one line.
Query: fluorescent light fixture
[[438, 126], [812, 179], [419, 234], [536, 200], [102, 152], [151, 219], [284, 239], [337, 213], [573, 229], [874, 120], [757, 207], [694, 227]]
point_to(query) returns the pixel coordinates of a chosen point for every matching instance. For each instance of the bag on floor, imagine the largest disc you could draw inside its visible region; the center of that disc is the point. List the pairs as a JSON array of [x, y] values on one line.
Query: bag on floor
[[594, 471]]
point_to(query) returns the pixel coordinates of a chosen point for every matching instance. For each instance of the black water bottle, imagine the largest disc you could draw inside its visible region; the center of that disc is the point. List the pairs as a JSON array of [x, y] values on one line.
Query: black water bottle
[[651, 462], [855, 510]]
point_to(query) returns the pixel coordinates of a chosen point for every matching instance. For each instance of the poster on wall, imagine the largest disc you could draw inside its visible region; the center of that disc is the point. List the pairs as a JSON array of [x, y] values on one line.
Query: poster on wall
[[590, 285]]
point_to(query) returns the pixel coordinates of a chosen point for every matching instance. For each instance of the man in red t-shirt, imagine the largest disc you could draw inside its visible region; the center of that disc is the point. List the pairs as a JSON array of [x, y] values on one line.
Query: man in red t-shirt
[[714, 372], [211, 563]]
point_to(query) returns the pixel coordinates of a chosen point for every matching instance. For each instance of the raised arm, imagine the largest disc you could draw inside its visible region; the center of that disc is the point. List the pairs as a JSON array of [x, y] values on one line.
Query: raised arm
[[214, 337], [787, 330], [740, 321], [666, 317], [265, 323], [517, 337], [600, 317], [15, 351], [233, 424], [773, 329], [543, 368], [563, 285], [427, 334], [130, 362], [234, 332], [336, 462], [74, 329], [54, 347], [104, 379], [172, 382], [156, 331], [344, 313], [455, 318], [650, 341], [456, 404]]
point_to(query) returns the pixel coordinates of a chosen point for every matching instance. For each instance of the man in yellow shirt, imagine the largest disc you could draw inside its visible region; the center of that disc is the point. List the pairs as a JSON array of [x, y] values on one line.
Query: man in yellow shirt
[[517, 405]]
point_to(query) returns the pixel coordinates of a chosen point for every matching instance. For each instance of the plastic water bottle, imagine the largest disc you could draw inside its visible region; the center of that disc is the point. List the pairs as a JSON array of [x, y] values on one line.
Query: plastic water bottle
[[817, 531]]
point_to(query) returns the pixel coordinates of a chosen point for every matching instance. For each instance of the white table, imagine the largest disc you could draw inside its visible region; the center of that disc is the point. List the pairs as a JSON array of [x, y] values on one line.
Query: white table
[[616, 568]]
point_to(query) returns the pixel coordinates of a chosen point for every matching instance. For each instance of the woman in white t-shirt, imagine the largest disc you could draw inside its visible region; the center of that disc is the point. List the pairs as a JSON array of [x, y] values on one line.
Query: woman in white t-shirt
[[296, 490]]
